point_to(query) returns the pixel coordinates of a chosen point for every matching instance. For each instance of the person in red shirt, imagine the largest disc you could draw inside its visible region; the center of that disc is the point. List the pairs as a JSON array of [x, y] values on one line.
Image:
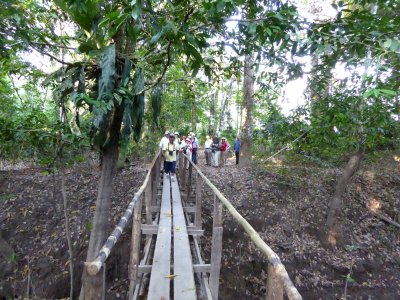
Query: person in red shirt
[[224, 151]]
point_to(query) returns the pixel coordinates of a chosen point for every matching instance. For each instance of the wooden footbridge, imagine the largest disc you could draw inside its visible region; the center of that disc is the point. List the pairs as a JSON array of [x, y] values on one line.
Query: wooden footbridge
[[166, 258]]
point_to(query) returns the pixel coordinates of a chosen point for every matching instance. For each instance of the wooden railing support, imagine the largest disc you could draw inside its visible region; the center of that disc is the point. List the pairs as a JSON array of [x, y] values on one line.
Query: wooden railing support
[[184, 179], [199, 191], [148, 195], [189, 184], [103, 291], [135, 247], [216, 249], [274, 284], [180, 165]]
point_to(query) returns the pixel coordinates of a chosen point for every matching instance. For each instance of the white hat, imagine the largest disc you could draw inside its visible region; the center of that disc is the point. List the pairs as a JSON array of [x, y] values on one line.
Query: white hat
[[176, 133], [167, 132]]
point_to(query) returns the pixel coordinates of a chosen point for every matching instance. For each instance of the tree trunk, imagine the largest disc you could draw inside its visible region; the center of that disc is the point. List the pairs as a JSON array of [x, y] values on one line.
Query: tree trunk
[[247, 109], [333, 230], [92, 285], [224, 105], [193, 97], [212, 113]]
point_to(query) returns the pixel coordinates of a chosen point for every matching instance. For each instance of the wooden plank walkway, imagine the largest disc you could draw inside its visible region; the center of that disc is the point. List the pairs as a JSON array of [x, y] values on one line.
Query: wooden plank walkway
[[184, 285], [159, 287]]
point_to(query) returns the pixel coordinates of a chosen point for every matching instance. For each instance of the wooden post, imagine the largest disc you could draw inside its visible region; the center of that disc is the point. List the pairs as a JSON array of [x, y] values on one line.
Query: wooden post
[[216, 249], [183, 185], [103, 296], [199, 190], [189, 184], [135, 246], [180, 164], [274, 284], [147, 199]]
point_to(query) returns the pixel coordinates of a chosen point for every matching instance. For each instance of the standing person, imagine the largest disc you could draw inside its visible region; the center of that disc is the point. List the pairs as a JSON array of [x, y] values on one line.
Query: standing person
[[224, 151], [163, 142], [182, 146], [216, 147], [189, 148], [207, 150], [236, 148], [195, 146], [169, 152]]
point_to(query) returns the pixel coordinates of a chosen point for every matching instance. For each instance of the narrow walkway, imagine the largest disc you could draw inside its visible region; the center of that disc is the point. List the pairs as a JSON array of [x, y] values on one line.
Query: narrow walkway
[[172, 226]]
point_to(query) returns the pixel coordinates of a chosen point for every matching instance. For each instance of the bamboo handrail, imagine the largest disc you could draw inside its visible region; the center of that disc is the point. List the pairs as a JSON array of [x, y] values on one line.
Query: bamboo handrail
[[273, 258], [94, 266]]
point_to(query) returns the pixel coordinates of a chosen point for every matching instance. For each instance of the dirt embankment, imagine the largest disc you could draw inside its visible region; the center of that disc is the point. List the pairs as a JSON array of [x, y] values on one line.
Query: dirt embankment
[[32, 225]]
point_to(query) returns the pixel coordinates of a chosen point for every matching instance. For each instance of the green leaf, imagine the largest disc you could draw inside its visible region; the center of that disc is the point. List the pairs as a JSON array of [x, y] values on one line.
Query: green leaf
[[106, 88]]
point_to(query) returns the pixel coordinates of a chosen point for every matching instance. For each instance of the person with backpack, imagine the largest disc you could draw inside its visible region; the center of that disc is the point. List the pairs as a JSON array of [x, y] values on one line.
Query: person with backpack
[[169, 152]]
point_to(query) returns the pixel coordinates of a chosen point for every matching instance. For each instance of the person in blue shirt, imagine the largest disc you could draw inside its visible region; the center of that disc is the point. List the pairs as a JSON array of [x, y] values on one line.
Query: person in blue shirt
[[236, 148]]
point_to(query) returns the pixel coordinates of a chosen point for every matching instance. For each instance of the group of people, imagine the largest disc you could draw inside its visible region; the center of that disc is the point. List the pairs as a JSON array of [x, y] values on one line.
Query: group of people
[[171, 145], [216, 150]]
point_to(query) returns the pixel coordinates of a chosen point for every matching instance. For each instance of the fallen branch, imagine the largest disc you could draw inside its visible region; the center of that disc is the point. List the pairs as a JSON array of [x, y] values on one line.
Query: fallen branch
[[386, 219]]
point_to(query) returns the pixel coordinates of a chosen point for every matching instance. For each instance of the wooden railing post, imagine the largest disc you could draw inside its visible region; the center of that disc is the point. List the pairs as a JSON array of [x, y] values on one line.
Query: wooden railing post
[[274, 284], [189, 183], [135, 246], [103, 292], [216, 248], [199, 190], [148, 201], [180, 164], [185, 162]]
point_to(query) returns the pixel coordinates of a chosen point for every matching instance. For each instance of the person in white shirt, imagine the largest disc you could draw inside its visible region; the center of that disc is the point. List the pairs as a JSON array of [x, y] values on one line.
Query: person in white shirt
[[164, 141], [207, 150]]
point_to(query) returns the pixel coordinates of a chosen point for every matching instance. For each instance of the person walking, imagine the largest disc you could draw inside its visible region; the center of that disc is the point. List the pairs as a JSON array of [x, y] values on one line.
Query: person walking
[[169, 153], [216, 148], [236, 148], [207, 150]]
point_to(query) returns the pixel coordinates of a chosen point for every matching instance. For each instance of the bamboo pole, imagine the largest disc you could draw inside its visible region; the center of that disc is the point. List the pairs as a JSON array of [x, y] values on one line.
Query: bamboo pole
[[199, 190], [273, 258], [135, 247]]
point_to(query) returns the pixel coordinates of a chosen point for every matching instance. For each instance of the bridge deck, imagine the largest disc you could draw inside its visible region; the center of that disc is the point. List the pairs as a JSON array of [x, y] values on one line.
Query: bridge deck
[[172, 226], [184, 285], [159, 287]]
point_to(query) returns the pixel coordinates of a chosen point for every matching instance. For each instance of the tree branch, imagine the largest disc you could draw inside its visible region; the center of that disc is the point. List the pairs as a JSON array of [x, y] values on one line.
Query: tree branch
[[51, 56]]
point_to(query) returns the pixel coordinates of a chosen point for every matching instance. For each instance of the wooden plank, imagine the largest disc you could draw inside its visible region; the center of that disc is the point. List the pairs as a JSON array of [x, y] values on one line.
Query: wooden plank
[[184, 285], [159, 287], [189, 184]]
